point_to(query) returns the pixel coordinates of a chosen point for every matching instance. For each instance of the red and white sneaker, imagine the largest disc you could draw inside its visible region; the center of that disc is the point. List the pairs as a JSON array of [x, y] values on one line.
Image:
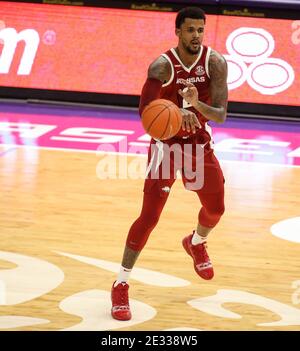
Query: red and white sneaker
[[120, 306], [202, 264]]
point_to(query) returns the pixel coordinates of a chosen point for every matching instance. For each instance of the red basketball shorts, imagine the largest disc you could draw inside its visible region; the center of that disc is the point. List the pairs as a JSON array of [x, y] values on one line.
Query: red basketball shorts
[[200, 171]]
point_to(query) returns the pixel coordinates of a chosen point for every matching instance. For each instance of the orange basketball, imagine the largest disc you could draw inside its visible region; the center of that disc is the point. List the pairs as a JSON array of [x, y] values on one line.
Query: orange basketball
[[162, 119]]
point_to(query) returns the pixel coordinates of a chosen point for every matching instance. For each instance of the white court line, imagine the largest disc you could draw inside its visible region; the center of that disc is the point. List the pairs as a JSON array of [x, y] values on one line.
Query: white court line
[[138, 155]]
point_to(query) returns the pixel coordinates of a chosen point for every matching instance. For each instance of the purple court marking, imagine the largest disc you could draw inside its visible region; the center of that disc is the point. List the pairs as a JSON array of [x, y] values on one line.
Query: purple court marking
[[120, 130], [70, 111], [133, 115]]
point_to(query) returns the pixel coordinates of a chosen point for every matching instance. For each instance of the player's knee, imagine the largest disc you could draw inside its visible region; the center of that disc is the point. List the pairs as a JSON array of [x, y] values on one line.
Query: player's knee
[[215, 210], [218, 211], [210, 216], [146, 222], [140, 231], [150, 220]]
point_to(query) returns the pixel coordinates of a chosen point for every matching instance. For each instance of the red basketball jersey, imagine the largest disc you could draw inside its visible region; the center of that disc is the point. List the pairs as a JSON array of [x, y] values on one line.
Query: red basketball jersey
[[198, 74]]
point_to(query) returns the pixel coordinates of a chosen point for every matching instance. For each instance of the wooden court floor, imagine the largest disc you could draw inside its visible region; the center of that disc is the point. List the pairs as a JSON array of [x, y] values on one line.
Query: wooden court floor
[[63, 231]]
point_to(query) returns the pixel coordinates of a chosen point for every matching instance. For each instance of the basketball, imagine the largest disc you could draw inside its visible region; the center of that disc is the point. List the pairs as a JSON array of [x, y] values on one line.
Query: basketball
[[162, 119]]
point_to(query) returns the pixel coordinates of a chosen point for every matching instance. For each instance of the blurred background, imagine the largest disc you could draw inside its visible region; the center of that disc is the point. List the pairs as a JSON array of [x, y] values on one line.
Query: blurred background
[[99, 51]]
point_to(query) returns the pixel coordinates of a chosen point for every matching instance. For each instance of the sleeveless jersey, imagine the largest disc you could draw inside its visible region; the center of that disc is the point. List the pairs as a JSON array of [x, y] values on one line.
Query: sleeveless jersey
[[198, 74]]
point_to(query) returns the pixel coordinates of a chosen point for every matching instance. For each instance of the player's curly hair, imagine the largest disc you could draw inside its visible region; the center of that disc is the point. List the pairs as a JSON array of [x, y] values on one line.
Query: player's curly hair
[[189, 12]]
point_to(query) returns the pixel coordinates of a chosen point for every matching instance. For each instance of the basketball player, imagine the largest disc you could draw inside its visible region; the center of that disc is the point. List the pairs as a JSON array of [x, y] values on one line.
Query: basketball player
[[194, 77]]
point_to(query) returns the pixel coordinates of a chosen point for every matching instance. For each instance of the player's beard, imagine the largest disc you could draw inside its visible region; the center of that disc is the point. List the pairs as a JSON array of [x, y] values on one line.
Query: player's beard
[[190, 50]]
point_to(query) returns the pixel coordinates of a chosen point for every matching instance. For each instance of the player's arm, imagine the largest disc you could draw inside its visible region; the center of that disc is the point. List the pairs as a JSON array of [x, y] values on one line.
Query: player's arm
[[218, 91], [159, 72], [218, 87]]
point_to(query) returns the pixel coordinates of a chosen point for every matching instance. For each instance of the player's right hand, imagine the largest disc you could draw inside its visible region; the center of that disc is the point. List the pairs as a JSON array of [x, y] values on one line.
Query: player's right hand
[[189, 121]]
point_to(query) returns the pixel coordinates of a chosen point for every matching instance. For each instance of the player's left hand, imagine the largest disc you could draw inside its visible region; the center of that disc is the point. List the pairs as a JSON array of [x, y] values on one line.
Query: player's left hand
[[189, 93]]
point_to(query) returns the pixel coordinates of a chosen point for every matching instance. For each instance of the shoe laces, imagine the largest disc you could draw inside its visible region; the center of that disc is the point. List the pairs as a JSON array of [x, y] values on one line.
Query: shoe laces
[[201, 252], [121, 297]]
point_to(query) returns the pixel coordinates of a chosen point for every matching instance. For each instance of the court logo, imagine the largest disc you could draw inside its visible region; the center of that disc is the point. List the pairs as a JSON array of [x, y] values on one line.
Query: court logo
[[9, 37], [249, 60], [34, 277]]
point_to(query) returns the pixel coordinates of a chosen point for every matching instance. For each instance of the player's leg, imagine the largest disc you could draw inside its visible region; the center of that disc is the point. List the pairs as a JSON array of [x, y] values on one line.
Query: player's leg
[[211, 196], [211, 212], [156, 192], [155, 197], [195, 243]]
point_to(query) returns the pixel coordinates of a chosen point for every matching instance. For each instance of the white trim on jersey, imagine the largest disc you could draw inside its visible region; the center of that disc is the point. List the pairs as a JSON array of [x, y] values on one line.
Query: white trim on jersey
[[172, 70], [209, 131], [183, 66], [207, 61]]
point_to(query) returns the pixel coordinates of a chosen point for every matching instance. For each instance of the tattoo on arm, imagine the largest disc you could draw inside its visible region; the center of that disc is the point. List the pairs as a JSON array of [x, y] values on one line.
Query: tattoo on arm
[[160, 69], [218, 83]]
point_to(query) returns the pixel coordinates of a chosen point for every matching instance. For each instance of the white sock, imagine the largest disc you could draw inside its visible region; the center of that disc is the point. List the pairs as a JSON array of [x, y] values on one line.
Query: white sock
[[198, 239], [123, 276]]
